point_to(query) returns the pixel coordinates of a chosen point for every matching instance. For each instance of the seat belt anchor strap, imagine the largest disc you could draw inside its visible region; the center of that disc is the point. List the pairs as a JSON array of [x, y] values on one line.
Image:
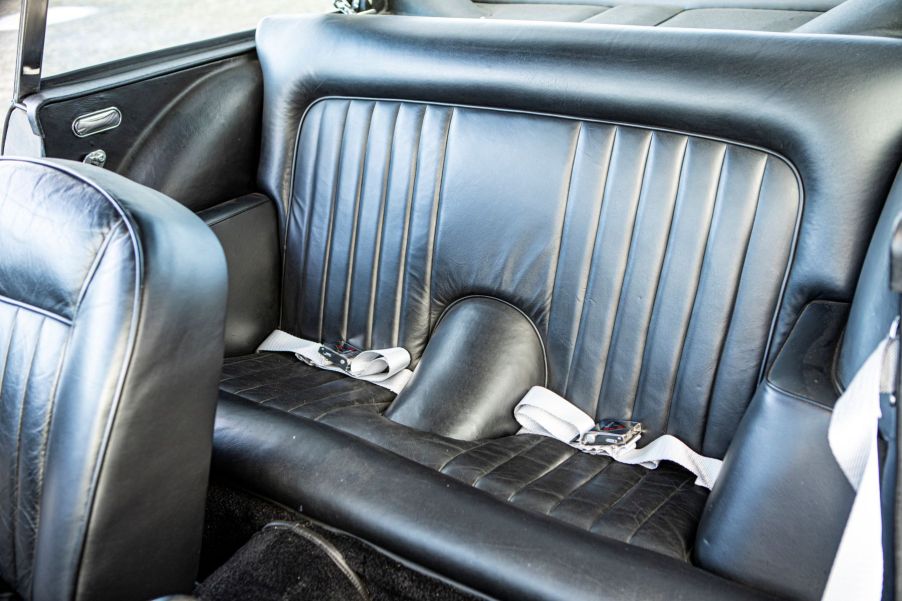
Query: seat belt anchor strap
[[384, 367], [857, 570], [545, 413]]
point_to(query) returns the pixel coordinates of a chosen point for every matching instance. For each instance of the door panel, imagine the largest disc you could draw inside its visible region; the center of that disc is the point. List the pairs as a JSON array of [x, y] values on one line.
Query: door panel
[[192, 134]]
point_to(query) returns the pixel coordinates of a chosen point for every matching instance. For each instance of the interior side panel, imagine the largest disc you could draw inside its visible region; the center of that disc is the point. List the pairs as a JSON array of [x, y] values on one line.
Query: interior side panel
[[192, 134]]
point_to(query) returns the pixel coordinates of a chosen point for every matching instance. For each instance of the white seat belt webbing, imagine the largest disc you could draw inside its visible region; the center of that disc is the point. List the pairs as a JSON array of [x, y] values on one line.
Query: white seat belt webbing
[[545, 413], [384, 367], [857, 571]]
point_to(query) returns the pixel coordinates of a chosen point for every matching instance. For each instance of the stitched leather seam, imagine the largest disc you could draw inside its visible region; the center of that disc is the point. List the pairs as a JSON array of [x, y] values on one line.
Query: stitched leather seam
[[621, 278], [464, 452], [657, 508], [571, 352], [306, 389], [330, 399], [563, 225], [272, 370], [283, 376], [9, 346], [663, 260], [45, 439], [17, 474], [606, 510], [229, 361], [675, 378], [569, 495], [547, 470], [327, 254], [436, 212], [355, 227], [723, 339], [401, 285], [336, 410], [28, 307], [495, 468], [307, 225], [380, 230]]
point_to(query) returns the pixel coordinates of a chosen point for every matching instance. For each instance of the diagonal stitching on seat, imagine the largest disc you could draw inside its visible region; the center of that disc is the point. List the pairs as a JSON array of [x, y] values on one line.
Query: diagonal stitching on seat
[[496, 467], [580, 486], [326, 399], [464, 452], [606, 510], [658, 507], [547, 471], [307, 402], [335, 410], [276, 374]]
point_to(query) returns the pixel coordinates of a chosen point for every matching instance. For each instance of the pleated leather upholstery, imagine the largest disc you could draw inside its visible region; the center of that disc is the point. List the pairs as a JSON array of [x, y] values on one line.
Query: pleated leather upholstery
[[653, 509], [31, 348], [651, 261], [280, 381], [105, 361]]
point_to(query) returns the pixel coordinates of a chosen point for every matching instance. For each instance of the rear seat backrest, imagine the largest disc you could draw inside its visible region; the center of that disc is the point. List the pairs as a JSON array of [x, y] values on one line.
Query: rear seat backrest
[[652, 262]]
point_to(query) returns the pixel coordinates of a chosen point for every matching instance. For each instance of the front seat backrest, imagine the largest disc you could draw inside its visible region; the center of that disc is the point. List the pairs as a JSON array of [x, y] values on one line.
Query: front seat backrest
[[111, 314]]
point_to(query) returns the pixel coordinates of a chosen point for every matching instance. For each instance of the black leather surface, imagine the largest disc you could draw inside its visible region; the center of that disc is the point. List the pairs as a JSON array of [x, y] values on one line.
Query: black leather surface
[[860, 17], [448, 526], [592, 229], [681, 239], [806, 365], [774, 520], [111, 315], [869, 320], [247, 229], [482, 358], [280, 381], [726, 14], [656, 510], [193, 135], [776, 515], [846, 152]]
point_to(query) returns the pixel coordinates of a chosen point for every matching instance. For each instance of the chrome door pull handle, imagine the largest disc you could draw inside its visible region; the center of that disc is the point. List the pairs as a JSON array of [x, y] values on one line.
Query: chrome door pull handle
[[96, 122]]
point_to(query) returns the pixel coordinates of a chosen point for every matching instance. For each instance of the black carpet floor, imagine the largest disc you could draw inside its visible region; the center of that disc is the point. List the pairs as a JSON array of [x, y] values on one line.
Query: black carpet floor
[[254, 549]]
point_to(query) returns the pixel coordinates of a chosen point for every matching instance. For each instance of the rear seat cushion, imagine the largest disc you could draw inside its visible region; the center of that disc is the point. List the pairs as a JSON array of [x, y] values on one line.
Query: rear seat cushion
[[280, 381], [439, 522], [653, 509]]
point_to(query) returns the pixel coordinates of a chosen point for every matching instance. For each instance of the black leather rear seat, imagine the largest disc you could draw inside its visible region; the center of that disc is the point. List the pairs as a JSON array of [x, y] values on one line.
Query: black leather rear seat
[[657, 510], [655, 266]]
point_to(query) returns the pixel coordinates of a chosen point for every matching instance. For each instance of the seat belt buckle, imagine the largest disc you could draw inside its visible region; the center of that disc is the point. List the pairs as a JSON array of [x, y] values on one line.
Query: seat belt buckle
[[339, 354], [617, 432]]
